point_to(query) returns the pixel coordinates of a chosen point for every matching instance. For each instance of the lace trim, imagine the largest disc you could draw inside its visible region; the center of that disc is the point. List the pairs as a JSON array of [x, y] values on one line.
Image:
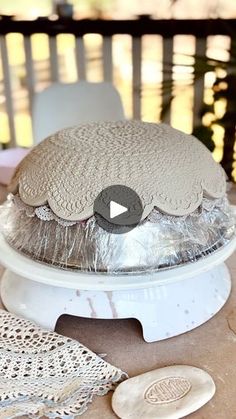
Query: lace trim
[[45, 374], [45, 213]]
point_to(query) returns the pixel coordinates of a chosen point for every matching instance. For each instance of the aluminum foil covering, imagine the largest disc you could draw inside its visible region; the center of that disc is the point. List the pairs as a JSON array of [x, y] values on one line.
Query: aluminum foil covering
[[159, 242]]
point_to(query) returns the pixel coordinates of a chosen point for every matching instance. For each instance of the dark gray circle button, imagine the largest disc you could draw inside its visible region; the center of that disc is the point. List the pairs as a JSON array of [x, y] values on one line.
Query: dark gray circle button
[[118, 209]]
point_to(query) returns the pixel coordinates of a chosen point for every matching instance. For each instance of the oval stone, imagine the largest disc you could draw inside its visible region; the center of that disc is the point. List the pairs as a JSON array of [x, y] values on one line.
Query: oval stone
[[167, 390], [166, 393]]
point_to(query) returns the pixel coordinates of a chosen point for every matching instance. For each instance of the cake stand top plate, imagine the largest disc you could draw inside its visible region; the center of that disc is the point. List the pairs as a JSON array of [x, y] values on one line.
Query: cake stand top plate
[[45, 274]]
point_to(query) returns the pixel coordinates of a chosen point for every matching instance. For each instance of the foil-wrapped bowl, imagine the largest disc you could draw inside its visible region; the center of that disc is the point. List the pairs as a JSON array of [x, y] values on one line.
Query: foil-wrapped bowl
[[159, 242], [50, 215]]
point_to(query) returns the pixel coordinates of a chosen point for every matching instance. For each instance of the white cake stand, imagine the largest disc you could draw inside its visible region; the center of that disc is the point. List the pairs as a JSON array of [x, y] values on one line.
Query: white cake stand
[[167, 303]]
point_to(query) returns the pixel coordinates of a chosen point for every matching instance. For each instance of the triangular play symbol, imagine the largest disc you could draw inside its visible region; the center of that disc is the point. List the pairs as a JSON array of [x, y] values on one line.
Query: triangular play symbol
[[116, 209]]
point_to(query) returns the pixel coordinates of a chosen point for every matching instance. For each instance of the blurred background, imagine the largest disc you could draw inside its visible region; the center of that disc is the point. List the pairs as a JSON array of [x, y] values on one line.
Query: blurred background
[[182, 73]]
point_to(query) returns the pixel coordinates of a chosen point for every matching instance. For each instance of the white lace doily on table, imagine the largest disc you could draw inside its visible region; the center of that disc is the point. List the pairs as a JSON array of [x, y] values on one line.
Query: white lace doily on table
[[45, 374], [167, 168]]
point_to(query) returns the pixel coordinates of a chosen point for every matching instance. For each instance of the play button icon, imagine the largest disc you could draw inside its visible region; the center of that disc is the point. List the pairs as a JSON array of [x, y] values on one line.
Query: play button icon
[[118, 209]]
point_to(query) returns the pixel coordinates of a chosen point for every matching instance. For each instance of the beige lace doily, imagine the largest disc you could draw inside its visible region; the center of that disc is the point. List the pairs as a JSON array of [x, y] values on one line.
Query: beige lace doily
[[167, 168], [45, 374]]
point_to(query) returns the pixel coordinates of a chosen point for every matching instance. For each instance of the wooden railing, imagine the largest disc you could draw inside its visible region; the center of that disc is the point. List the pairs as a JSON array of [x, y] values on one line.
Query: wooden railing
[[200, 29]]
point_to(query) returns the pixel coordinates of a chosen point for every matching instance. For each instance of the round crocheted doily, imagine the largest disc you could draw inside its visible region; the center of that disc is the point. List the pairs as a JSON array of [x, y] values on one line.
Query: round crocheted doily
[[168, 169]]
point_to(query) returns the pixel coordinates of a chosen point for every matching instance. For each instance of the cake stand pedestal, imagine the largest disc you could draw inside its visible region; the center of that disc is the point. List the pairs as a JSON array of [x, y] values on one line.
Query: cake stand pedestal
[[167, 303]]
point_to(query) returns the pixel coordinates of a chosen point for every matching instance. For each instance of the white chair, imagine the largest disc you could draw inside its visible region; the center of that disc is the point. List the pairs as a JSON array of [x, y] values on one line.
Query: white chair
[[62, 105]]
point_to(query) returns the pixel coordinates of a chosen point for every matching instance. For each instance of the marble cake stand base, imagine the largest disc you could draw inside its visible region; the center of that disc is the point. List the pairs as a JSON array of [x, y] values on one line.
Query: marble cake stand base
[[163, 311], [166, 303]]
